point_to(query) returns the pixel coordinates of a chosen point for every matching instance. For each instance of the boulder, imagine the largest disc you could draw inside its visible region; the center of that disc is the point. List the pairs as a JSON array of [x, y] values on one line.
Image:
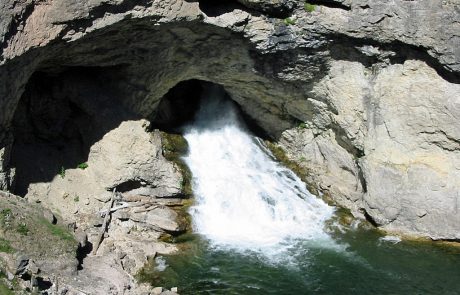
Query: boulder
[[162, 218]]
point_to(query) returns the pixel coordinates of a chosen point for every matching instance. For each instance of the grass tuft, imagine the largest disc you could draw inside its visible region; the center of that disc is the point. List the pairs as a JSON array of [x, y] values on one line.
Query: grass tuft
[[303, 125], [5, 246], [57, 230], [309, 7], [23, 229], [62, 172], [82, 166], [289, 21]]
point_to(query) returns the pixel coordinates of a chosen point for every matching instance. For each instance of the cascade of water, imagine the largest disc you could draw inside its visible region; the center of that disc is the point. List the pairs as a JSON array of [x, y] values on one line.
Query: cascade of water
[[244, 199]]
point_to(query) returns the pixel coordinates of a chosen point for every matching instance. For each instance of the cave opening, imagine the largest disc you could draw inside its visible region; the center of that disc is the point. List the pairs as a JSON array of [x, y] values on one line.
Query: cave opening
[[47, 132], [63, 113], [179, 105]]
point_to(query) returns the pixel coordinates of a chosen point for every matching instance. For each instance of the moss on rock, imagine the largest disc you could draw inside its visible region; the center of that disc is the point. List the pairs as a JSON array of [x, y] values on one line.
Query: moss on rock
[[174, 147], [343, 216], [300, 171], [24, 229]]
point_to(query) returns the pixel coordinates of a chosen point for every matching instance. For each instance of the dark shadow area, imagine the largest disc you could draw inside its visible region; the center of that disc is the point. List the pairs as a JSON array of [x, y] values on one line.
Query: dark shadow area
[[213, 8], [129, 186], [369, 218], [43, 284], [82, 253], [61, 114], [179, 106], [330, 4]]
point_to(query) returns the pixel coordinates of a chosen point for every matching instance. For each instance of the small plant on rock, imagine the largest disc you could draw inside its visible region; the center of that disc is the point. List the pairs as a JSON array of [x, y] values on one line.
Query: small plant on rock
[[62, 172], [82, 166], [5, 246], [76, 199], [289, 21], [57, 230], [303, 125], [5, 214], [309, 7], [5, 217], [22, 229]]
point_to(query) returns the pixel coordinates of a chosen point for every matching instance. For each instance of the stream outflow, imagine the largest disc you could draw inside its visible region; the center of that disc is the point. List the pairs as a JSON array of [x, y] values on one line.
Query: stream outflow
[[245, 200]]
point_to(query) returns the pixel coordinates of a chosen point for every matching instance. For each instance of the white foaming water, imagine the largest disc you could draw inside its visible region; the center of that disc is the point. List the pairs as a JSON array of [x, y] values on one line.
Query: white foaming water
[[245, 200]]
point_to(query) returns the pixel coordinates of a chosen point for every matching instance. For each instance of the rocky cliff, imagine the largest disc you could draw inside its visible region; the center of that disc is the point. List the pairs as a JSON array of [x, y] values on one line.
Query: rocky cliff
[[364, 94]]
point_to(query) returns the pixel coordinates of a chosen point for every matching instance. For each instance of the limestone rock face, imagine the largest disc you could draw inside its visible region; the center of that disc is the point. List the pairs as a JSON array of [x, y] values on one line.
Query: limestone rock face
[[400, 159], [328, 164], [411, 160], [374, 85], [131, 159]]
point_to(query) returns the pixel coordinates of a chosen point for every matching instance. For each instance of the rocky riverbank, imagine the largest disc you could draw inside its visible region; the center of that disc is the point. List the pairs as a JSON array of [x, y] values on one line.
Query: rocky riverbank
[[105, 237]]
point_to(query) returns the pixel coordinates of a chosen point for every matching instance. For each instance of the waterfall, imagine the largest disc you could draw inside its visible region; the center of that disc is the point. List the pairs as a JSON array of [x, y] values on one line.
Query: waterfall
[[245, 200]]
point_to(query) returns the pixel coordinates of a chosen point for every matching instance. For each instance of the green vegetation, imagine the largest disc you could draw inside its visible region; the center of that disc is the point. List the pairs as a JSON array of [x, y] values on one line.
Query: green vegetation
[[180, 239], [302, 172], [23, 229], [62, 172], [289, 21], [4, 290], [174, 147], [5, 246], [309, 7], [76, 198], [5, 216], [149, 274], [5, 213], [303, 125], [82, 166], [57, 230]]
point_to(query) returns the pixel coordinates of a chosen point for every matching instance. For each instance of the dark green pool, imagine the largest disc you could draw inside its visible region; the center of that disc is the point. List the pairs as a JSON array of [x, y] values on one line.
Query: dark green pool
[[362, 264]]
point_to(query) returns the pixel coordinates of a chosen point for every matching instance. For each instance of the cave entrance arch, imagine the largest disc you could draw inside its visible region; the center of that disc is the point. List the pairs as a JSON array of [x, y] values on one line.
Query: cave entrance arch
[[62, 114], [180, 104]]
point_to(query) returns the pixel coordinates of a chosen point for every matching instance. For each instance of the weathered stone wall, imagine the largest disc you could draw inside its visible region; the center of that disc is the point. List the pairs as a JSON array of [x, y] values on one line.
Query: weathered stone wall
[[402, 122], [375, 84]]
